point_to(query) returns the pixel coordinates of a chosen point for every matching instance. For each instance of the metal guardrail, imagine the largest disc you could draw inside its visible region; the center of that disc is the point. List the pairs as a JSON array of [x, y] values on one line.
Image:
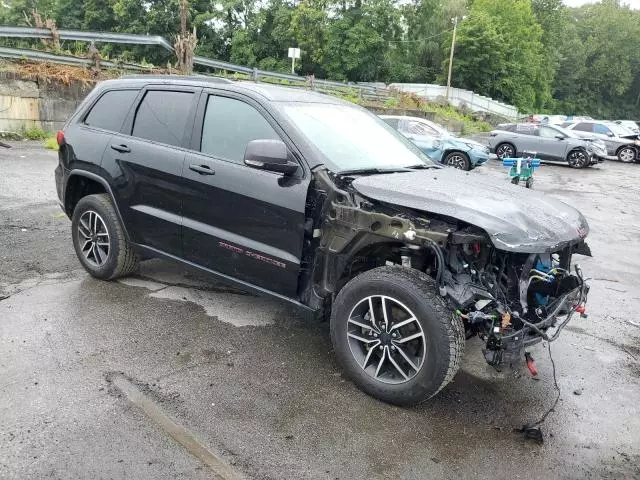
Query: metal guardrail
[[135, 39], [37, 55], [77, 35]]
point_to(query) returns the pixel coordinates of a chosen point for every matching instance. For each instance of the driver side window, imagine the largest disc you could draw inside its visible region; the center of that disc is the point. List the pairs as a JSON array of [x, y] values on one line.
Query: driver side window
[[417, 128], [546, 132], [229, 125], [603, 129]]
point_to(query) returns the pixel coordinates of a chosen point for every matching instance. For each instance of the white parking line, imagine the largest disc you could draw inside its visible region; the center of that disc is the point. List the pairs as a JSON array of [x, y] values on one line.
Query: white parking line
[[176, 431]]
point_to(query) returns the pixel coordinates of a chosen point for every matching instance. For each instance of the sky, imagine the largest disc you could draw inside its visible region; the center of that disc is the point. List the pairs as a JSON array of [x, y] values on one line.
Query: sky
[[635, 4]]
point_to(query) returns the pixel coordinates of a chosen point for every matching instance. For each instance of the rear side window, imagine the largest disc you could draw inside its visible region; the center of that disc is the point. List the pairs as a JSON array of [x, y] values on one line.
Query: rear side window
[[527, 128], [111, 109], [584, 127], [230, 124], [162, 116]]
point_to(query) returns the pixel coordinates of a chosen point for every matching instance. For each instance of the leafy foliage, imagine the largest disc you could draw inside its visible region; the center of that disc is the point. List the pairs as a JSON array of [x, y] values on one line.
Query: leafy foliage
[[536, 54]]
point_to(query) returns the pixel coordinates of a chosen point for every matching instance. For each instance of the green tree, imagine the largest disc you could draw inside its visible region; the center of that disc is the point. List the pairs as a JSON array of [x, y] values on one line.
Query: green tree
[[499, 53]]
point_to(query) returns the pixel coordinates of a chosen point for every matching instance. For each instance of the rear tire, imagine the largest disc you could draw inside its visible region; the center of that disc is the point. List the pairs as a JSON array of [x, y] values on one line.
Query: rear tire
[[410, 357], [99, 239]]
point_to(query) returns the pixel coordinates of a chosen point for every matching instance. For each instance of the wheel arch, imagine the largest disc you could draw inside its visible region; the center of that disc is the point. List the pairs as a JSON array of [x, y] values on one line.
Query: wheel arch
[[576, 149], [627, 145], [81, 183]]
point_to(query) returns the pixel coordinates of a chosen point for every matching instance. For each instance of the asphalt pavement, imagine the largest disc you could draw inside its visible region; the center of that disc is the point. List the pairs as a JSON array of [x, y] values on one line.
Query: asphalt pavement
[[167, 374]]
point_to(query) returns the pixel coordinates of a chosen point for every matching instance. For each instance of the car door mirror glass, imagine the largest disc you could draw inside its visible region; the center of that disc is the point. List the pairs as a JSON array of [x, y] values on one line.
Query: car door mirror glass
[[270, 155]]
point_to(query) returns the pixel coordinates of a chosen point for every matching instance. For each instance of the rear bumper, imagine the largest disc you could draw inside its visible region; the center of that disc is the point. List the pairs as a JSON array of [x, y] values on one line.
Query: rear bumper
[[61, 175]]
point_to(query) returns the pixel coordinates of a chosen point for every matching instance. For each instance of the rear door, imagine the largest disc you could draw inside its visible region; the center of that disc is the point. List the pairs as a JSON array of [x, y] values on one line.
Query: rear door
[[240, 221], [91, 135], [145, 162]]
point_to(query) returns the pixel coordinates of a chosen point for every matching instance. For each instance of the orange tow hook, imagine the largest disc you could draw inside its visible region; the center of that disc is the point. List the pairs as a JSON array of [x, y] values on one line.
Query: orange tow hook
[[531, 364]]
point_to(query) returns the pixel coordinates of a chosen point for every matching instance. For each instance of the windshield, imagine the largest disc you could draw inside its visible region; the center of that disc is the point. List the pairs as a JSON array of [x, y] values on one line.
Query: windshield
[[352, 139], [619, 130]]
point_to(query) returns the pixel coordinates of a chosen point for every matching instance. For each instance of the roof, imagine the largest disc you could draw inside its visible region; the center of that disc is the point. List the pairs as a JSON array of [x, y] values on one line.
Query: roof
[[274, 93]]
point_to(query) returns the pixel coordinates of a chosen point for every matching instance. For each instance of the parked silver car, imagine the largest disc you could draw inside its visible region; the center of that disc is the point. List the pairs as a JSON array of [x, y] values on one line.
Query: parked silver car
[[622, 143], [549, 142]]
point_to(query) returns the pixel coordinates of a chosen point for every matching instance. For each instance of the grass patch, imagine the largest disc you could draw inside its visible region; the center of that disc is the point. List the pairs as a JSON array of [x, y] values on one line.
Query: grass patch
[[34, 132], [51, 143]]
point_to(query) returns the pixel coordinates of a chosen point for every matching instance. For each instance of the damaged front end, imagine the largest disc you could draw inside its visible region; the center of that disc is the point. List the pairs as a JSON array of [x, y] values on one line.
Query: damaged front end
[[513, 300], [510, 299]]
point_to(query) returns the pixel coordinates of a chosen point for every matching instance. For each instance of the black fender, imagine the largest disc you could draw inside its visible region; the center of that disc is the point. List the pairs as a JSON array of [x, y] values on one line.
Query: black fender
[[107, 187]]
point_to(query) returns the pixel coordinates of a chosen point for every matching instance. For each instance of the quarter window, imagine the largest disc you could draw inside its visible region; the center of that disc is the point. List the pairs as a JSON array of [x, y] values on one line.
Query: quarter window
[[162, 116], [229, 125], [111, 109]]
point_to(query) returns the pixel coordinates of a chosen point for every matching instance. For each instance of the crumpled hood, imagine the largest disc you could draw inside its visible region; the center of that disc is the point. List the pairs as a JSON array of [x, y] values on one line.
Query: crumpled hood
[[516, 219]]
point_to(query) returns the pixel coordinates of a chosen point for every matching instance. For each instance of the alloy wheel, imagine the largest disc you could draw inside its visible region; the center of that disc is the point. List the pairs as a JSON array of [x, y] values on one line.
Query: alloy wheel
[[505, 151], [93, 238], [457, 161], [626, 155], [577, 159], [386, 339]]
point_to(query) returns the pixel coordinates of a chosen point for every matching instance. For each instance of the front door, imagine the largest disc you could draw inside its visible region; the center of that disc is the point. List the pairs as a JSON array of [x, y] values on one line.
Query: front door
[[239, 221], [145, 162], [550, 146]]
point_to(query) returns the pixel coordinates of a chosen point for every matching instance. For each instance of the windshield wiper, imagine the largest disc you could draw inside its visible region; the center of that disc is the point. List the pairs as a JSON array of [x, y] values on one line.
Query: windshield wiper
[[364, 171], [423, 166]]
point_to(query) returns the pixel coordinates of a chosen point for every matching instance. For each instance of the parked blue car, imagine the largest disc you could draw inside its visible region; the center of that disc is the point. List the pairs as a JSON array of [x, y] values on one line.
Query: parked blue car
[[438, 143]]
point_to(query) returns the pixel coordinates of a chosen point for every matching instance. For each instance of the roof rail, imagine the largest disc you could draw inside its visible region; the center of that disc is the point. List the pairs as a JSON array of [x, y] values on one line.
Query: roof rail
[[199, 78]]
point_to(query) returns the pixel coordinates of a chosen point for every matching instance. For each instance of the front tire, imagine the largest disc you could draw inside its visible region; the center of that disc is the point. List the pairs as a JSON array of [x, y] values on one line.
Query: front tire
[[626, 154], [505, 150], [394, 335], [459, 160], [578, 159], [99, 239]]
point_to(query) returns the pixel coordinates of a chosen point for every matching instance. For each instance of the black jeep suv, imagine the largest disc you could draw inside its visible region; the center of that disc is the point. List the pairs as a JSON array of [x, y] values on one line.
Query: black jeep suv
[[319, 203]]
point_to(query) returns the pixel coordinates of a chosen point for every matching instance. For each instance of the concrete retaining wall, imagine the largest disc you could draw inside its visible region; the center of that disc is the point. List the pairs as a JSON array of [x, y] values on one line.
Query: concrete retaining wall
[[29, 103]]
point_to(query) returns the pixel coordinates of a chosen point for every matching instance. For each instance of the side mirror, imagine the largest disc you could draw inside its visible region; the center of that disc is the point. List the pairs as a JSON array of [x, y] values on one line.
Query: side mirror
[[610, 134], [560, 137], [270, 155]]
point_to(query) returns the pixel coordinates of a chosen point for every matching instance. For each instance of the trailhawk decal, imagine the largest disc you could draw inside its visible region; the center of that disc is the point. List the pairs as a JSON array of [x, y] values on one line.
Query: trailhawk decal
[[254, 255]]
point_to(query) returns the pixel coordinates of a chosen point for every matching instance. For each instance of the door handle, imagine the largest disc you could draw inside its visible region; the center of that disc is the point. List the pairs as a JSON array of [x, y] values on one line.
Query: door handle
[[120, 148], [202, 169]]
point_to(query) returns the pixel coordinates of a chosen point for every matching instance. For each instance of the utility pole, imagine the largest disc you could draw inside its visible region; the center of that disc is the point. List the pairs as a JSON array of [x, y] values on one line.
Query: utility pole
[[453, 46]]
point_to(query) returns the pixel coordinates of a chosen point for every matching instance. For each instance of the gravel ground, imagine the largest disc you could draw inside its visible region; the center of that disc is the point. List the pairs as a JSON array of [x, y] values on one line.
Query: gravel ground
[[258, 386]]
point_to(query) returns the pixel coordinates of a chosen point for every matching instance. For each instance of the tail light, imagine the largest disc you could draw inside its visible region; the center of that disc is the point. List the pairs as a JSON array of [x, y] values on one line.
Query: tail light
[[60, 138]]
